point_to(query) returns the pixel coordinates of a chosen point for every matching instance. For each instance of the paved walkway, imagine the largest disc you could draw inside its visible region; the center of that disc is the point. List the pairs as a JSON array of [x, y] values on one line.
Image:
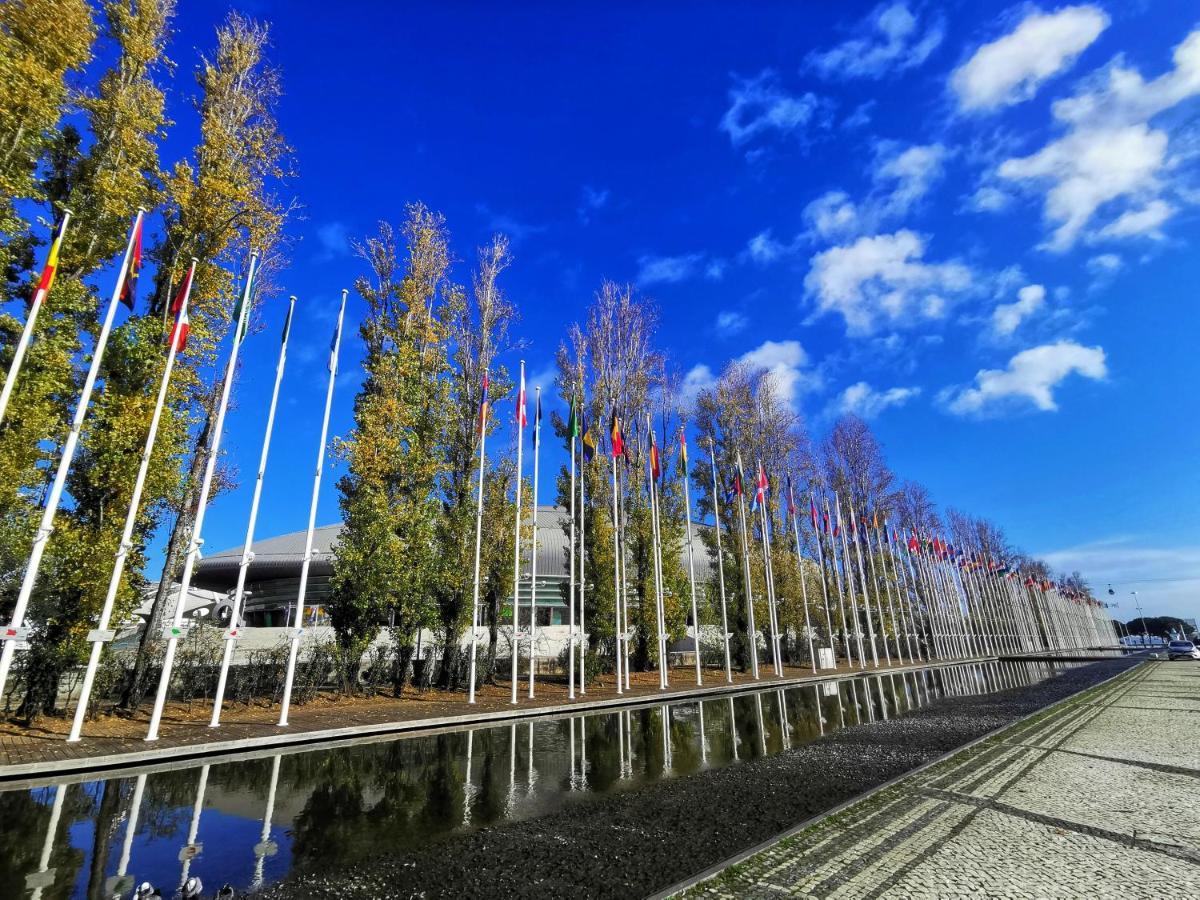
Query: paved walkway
[[1095, 798]]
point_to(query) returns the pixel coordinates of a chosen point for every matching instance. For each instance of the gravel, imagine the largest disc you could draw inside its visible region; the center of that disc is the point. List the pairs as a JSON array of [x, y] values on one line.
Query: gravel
[[639, 841]]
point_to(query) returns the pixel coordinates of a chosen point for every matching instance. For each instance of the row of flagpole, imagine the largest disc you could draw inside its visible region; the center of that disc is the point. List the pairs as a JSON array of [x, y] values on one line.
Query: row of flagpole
[[943, 602]]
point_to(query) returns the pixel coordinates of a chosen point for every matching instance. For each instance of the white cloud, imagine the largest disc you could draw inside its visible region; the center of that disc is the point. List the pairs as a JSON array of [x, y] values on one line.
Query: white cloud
[[592, 199], [1110, 150], [989, 199], [786, 362], [1012, 68], [668, 269], [731, 322], [507, 224], [697, 379], [333, 240], [1165, 578], [714, 269], [1007, 316], [863, 400], [883, 280], [900, 178], [1088, 169], [759, 105], [1031, 375], [1104, 263], [889, 40], [763, 248], [1144, 222]]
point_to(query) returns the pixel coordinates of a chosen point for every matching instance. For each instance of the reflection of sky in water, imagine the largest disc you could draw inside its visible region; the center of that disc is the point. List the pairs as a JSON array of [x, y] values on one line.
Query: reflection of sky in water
[[334, 806]]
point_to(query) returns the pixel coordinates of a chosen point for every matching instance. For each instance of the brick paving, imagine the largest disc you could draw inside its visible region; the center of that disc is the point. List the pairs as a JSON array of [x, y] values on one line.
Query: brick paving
[[1095, 798], [26, 752]]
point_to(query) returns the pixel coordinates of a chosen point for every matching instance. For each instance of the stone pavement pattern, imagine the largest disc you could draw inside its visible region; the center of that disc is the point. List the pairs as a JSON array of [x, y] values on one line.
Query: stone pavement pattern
[[1096, 798]]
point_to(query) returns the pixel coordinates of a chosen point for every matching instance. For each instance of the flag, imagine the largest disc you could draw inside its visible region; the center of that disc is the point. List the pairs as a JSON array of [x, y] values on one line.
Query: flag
[[589, 442], [179, 331], [573, 420], [129, 287], [522, 417], [244, 296], [737, 484], [618, 442], [483, 404], [287, 327], [333, 348], [812, 513], [537, 421], [791, 502], [655, 463], [683, 451], [825, 520], [48, 272], [761, 487]]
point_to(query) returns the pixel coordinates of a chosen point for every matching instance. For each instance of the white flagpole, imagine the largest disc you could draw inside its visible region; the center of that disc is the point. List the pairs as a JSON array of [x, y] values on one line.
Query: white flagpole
[[835, 528], [725, 633], [233, 631], [173, 632], [10, 635], [616, 569], [101, 634], [768, 569], [582, 562], [862, 580], [537, 446], [687, 509], [750, 627], [812, 657], [812, 513], [35, 306], [298, 624], [573, 426], [659, 607], [849, 572], [483, 411], [516, 639]]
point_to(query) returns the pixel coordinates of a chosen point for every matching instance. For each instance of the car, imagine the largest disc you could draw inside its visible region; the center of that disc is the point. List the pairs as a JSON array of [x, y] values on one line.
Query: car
[[1182, 650]]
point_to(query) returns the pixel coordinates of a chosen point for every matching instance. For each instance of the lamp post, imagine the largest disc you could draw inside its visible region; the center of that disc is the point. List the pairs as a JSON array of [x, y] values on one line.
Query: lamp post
[[1142, 615]]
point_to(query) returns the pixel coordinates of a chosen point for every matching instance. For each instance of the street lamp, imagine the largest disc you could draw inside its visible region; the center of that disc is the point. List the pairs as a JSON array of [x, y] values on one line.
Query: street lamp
[[1145, 632]]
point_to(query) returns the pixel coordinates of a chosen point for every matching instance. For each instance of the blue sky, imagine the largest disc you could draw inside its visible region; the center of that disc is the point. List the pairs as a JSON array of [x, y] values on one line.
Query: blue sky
[[971, 223]]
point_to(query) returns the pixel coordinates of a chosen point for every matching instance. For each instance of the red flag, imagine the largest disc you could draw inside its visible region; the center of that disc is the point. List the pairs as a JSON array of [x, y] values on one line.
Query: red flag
[[812, 513], [618, 442], [522, 416], [177, 340]]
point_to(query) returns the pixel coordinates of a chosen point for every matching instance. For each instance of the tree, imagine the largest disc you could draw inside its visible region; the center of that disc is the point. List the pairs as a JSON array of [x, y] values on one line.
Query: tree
[[478, 330], [388, 555]]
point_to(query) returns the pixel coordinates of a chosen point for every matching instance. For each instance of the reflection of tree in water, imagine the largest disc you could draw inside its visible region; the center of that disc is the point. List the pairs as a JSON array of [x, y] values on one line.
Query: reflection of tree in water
[[406, 792], [24, 818]]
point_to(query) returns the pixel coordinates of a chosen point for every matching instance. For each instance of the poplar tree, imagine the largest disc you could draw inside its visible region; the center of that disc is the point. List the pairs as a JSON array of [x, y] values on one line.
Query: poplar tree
[[388, 554], [479, 332]]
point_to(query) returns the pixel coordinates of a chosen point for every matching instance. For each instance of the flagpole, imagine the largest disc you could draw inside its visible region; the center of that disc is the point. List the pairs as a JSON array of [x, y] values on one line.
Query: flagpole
[[760, 490], [687, 508], [537, 446], [39, 297], [239, 593], [888, 588], [516, 633], [571, 585], [750, 627], [659, 608], [848, 571], [862, 580], [101, 635], [483, 411], [812, 656], [582, 560], [725, 633], [13, 633], [626, 628], [173, 632], [812, 512], [298, 624], [616, 565]]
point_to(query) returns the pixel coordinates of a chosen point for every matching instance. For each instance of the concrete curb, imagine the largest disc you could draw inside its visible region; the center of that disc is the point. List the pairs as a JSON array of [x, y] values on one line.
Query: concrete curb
[[168, 756], [742, 856]]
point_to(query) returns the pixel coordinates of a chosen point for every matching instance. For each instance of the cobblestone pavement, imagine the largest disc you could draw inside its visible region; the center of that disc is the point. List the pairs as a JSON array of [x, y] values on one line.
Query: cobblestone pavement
[[1095, 798]]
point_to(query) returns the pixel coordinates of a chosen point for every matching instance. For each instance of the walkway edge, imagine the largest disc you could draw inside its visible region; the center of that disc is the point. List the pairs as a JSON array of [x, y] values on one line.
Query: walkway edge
[[165, 752], [740, 857]]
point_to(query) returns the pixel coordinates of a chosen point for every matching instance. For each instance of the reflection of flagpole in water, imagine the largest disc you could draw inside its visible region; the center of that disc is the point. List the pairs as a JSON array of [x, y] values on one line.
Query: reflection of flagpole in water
[[191, 849], [529, 775], [857, 705], [265, 846], [883, 707], [762, 728], [664, 718], [621, 744], [468, 788], [629, 740], [571, 777], [783, 720], [120, 882], [44, 876], [733, 735], [703, 737], [583, 753], [512, 770], [820, 718]]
